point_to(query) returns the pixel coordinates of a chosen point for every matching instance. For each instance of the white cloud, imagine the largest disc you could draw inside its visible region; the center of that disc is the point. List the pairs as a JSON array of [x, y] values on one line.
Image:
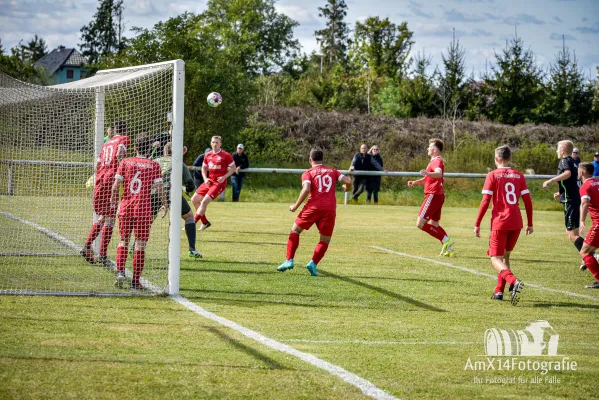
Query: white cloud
[[296, 12], [140, 8]]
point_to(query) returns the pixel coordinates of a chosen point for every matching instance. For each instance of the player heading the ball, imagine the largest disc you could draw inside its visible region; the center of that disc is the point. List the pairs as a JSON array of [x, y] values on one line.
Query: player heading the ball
[[111, 154], [434, 197], [504, 186], [136, 175], [221, 166], [319, 183]]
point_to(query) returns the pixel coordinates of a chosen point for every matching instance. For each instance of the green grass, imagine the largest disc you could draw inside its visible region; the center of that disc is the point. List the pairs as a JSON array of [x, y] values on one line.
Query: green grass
[[356, 315]]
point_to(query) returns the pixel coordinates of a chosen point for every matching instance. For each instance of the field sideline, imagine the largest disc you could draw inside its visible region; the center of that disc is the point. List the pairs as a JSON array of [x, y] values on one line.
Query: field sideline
[[386, 308]]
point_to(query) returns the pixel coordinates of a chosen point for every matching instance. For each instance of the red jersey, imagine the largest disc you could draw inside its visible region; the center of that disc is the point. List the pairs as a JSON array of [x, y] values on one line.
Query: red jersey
[[434, 185], [138, 174], [108, 162], [322, 187], [590, 190], [218, 163], [506, 186]]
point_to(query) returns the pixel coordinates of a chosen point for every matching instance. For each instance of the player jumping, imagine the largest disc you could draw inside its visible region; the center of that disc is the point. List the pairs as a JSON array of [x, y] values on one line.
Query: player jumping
[[589, 194], [221, 166], [112, 153], [136, 174], [505, 186], [319, 183], [434, 197]]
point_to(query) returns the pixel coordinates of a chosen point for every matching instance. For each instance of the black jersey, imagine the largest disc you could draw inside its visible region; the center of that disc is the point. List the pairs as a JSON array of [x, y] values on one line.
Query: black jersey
[[568, 188]]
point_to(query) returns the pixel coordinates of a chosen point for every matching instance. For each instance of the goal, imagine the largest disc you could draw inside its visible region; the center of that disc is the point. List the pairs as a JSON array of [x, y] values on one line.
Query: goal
[[50, 138]]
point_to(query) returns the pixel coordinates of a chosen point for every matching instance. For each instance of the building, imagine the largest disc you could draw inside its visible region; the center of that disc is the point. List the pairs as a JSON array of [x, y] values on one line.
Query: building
[[62, 64]]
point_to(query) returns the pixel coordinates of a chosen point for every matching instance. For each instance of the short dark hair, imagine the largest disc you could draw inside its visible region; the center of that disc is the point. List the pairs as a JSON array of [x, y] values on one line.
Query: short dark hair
[[587, 168], [504, 152], [120, 128], [316, 155], [438, 143], [143, 144]]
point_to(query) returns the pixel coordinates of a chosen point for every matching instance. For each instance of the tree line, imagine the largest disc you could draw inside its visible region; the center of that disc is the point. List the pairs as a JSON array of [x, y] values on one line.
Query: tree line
[[246, 50]]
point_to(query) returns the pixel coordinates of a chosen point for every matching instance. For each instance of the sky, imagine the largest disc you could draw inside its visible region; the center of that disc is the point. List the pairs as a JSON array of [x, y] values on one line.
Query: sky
[[481, 26]]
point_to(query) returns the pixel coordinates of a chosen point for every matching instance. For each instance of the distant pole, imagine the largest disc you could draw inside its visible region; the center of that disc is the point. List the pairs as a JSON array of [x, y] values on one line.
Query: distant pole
[[321, 63]]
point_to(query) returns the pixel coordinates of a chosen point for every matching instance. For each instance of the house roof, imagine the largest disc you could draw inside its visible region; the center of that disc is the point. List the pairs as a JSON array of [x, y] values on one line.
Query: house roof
[[58, 58]]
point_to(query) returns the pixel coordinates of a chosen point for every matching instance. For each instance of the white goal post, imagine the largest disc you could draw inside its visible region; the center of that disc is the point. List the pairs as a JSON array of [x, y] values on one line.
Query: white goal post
[[50, 139]]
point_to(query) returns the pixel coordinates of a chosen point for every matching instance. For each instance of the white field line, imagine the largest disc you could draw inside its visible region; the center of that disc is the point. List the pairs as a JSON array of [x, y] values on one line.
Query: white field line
[[69, 244], [376, 342], [368, 388], [494, 277]]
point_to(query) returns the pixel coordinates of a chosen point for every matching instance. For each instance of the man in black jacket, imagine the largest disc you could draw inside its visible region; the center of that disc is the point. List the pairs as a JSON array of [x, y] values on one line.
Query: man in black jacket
[[362, 161], [241, 162]]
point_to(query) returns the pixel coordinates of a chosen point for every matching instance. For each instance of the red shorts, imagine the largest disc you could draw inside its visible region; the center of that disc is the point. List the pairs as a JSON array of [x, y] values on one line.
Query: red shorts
[[592, 238], [324, 220], [102, 193], [139, 225], [214, 190], [431, 207], [502, 241]]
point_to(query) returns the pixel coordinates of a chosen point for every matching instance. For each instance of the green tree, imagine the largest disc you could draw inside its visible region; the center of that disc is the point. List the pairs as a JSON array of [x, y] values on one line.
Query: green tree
[[451, 97], [22, 70], [103, 35], [568, 99], [515, 85], [383, 46], [333, 39], [33, 50], [251, 33]]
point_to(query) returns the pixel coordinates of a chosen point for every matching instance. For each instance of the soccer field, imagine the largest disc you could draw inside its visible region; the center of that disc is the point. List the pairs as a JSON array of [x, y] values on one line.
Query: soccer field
[[386, 308]]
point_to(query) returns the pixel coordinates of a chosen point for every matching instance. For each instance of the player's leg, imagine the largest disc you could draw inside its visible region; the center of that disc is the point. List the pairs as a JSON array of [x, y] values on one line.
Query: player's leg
[[87, 251], [125, 230], [201, 213], [500, 243], [190, 228], [142, 234], [101, 204], [326, 226], [292, 244], [197, 198], [107, 230], [587, 253]]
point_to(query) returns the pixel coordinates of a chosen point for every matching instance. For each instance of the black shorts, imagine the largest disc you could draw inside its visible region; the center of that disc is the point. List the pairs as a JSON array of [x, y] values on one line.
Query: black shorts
[[157, 204], [571, 216]]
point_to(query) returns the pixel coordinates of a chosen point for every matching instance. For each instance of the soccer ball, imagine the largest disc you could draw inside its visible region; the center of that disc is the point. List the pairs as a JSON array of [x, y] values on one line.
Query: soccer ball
[[214, 99]]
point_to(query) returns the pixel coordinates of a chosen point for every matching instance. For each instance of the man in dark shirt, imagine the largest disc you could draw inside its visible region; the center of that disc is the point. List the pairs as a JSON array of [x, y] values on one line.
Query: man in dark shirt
[[362, 161], [567, 178], [241, 162], [197, 173]]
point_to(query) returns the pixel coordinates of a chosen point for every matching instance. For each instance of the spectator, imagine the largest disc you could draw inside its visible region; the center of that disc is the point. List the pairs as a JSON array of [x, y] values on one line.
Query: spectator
[[575, 157], [373, 184], [362, 161], [241, 162], [596, 164], [197, 173]]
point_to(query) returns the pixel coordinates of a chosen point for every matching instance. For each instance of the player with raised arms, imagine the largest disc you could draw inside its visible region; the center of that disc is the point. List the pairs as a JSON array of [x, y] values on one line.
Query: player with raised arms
[[589, 195], [136, 175], [504, 186], [319, 183], [434, 197], [111, 154], [221, 166]]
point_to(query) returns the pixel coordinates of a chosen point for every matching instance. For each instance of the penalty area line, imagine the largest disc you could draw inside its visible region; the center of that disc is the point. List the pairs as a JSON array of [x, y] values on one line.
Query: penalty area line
[[475, 272], [365, 386]]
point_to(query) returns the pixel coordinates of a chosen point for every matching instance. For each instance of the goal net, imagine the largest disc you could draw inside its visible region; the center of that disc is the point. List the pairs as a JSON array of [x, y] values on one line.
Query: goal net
[[50, 140]]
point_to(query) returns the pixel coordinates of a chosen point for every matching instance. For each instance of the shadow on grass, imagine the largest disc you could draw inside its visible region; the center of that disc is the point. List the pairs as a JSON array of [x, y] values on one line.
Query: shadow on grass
[[567, 305], [257, 303], [229, 271], [253, 293], [383, 291], [251, 233], [134, 362], [238, 242], [402, 279], [512, 259], [271, 363]]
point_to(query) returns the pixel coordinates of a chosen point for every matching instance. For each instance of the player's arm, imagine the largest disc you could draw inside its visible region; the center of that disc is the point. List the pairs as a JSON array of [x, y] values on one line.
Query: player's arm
[[561, 177], [346, 182], [302, 196], [584, 211], [416, 183], [528, 206], [230, 171], [116, 190], [482, 210], [205, 173], [436, 174], [121, 152], [162, 195]]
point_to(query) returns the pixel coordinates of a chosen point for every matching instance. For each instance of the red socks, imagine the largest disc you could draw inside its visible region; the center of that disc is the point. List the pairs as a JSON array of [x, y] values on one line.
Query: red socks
[[202, 218], [507, 275], [592, 265], [93, 233], [500, 284], [435, 231], [106, 236], [138, 264], [121, 258], [292, 245], [319, 251]]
